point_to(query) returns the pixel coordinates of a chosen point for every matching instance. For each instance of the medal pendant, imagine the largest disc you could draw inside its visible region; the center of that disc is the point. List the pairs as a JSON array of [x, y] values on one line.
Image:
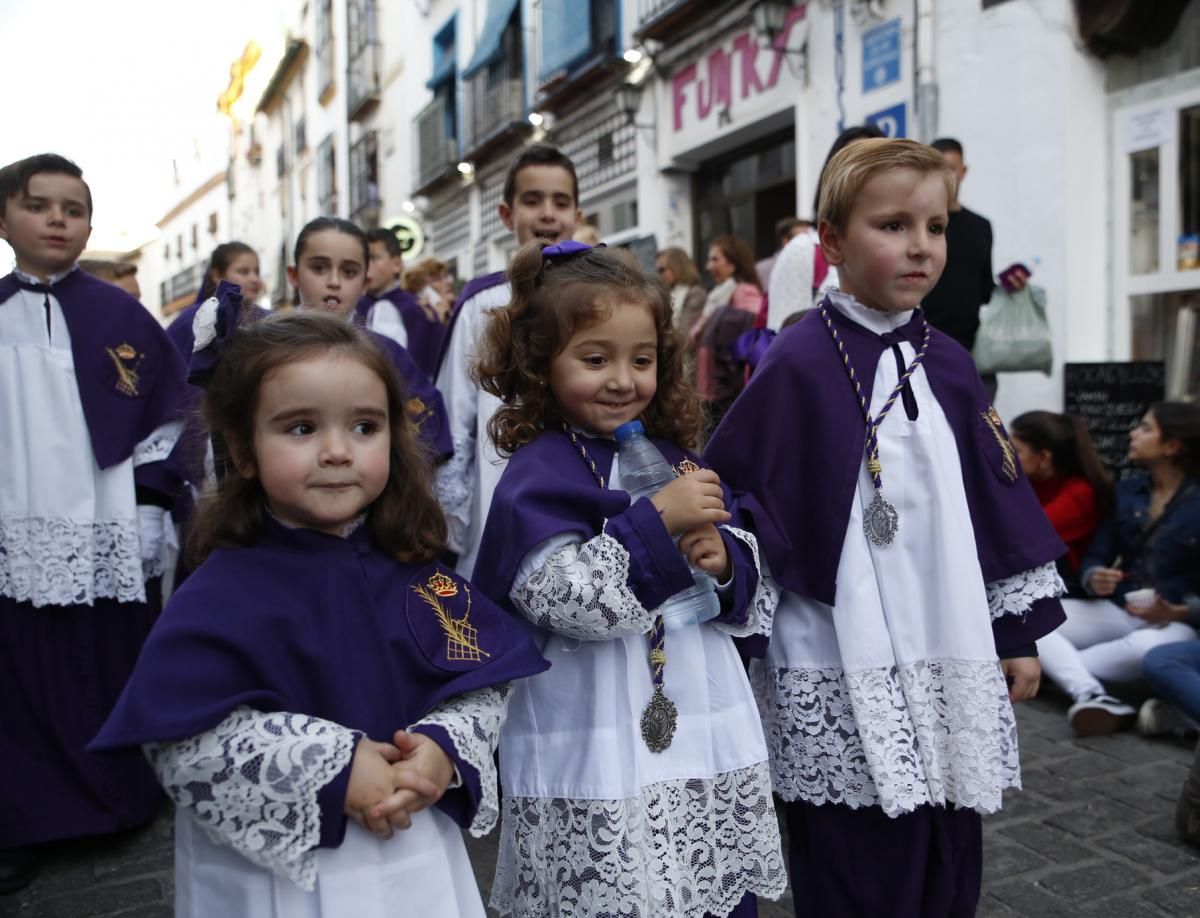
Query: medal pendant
[[658, 721], [881, 521]]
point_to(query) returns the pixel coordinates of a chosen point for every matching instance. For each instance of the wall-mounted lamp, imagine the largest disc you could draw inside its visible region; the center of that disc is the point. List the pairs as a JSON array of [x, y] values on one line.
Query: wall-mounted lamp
[[536, 119], [466, 168], [629, 100]]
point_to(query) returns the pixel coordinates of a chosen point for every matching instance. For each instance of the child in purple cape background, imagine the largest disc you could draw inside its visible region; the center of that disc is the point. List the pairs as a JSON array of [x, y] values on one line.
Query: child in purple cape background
[[600, 817]]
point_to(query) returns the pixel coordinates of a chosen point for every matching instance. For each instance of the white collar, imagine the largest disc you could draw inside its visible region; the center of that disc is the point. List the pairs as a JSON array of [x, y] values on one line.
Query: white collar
[[877, 320], [51, 281]]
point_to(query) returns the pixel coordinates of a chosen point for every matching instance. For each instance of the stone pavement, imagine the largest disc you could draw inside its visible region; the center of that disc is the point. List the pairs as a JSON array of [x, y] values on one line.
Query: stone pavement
[[1090, 836]]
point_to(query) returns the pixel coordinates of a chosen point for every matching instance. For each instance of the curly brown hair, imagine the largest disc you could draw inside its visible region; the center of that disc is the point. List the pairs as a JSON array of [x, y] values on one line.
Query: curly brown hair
[[405, 521], [551, 301]]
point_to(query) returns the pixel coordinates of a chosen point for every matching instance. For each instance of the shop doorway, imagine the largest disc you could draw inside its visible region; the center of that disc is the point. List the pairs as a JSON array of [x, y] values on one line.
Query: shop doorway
[[745, 193]]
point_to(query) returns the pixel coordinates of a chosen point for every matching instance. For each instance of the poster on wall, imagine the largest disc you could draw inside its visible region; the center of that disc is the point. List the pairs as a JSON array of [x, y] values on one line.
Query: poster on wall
[[881, 56], [891, 121]]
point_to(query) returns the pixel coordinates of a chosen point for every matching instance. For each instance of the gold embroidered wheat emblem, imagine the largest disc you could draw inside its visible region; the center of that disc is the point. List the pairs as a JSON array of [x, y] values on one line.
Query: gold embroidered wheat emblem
[[462, 638]]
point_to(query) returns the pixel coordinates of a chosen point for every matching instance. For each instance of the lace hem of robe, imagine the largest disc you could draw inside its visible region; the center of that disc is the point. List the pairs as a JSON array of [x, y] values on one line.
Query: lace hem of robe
[[49, 561], [678, 850], [930, 732], [252, 783]]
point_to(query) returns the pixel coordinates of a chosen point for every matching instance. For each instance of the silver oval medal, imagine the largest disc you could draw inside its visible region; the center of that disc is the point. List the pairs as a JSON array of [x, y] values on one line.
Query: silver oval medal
[[880, 521], [658, 721]]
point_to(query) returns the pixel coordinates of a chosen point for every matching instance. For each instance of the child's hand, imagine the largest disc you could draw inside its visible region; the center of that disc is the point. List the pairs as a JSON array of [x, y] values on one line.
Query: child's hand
[[1103, 580], [419, 778], [691, 501], [1159, 612], [705, 549], [371, 780], [1024, 675]]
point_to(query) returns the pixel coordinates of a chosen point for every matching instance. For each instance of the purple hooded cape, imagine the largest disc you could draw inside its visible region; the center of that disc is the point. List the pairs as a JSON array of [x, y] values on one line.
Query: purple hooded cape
[[547, 489], [791, 448], [425, 335], [315, 624], [471, 288], [108, 328], [422, 399]]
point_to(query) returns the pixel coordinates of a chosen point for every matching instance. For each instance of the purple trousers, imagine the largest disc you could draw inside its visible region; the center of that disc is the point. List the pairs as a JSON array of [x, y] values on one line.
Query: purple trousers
[[61, 671], [849, 863]]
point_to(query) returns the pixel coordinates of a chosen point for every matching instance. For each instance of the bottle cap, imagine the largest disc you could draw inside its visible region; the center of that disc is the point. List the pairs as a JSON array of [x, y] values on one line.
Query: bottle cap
[[628, 431]]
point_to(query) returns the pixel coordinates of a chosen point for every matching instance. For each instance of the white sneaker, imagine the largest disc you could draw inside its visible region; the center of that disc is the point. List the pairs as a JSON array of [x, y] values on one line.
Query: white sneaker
[[1158, 718], [1097, 715]]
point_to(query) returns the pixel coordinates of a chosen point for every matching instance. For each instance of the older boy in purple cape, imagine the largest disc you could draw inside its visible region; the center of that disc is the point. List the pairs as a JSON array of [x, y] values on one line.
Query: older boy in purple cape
[[92, 392], [912, 554]]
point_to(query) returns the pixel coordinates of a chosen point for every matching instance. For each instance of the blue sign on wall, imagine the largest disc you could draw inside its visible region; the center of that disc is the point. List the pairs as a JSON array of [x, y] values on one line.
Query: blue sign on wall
[[891, 121], [881, 55]]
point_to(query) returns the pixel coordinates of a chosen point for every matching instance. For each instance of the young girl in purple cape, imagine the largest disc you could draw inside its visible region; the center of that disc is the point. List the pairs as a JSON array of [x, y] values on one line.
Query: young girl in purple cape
[[599, 818], [320, 681], [330, 273]]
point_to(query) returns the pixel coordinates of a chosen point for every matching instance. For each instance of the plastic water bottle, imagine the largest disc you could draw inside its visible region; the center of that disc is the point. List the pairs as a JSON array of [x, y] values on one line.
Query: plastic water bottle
[[644, 472]]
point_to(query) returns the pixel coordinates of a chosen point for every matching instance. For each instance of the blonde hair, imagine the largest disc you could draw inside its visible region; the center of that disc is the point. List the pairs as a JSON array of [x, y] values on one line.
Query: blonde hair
[[858, 163], [418, 277], [681, 266]]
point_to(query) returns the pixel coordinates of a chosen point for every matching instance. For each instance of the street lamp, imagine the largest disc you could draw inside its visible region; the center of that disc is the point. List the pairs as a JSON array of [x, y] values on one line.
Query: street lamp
[[629, 99], [769, 17]]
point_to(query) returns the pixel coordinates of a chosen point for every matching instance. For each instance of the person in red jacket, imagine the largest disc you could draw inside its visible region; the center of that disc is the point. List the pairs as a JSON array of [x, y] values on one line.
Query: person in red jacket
[[1071, 482]]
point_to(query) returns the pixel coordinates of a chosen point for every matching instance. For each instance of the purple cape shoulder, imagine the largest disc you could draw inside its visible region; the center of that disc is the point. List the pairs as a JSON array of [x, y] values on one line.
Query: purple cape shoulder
[[320, 625], [131, 379], [472, 288], [792, 445]]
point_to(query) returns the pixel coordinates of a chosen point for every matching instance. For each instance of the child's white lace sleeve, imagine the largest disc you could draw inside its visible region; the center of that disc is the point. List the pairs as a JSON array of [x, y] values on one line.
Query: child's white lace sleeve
[[1016, 595], [473, 721], [760, 617], [252, 782], [582, 591], [453, 486], [159, 444]]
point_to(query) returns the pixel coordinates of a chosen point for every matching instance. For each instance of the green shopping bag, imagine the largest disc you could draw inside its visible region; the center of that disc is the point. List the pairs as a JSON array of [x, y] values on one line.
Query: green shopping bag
[[1013, 332]]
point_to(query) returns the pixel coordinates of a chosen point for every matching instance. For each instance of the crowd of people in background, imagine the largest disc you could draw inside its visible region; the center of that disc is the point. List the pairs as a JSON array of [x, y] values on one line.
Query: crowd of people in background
[[370, 488]]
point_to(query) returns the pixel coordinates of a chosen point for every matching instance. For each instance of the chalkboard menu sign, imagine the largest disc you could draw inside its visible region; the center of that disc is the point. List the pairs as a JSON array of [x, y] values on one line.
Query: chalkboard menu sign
[[1111, 398]]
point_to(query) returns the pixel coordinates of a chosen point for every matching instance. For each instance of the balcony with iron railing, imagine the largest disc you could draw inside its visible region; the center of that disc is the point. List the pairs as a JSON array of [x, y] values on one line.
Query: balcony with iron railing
[[363, 85], [496, 97], [365, 199], [659, 19], [180, 288], [437, 150], [577, 52]]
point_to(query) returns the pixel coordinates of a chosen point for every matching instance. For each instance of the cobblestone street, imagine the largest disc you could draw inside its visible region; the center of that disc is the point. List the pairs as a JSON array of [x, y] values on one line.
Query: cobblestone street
[[1091, 835]]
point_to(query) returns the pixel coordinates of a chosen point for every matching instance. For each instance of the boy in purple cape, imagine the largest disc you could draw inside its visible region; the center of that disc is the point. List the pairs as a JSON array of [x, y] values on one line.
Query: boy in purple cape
[[390, 310], [541, 201], [917, 567], [92, 393]]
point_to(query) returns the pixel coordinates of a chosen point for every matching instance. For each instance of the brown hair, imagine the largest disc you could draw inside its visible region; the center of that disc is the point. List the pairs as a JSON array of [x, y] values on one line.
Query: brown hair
[[1181, 421], [739, 255], [107, 270], [417, 277], [681, 266], [855, 165], [405, 521], [1071, 449], [551, 301]]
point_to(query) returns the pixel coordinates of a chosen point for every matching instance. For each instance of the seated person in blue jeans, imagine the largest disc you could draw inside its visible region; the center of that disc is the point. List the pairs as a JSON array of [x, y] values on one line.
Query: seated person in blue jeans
[[1144, 569]]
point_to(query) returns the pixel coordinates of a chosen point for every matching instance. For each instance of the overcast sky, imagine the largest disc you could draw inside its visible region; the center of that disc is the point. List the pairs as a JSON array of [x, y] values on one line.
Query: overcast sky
[[121, 87]]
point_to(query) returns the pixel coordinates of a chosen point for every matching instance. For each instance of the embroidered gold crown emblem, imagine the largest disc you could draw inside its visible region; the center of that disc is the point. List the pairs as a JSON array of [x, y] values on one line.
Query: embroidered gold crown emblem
[[127, 376], [442, 585], [462, 638], [686, 466], [992, 417]]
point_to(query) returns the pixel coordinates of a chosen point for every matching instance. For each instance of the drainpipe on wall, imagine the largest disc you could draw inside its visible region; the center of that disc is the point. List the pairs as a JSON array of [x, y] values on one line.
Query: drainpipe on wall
[[925, 93]]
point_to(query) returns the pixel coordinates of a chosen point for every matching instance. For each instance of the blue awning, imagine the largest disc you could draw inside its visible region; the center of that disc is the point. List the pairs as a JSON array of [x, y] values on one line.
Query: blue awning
[[490, 44], [442, 71]]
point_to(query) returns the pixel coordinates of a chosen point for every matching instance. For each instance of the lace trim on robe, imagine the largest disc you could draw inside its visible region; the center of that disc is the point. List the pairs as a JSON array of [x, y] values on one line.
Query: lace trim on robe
[[65, 562], [1016, 595], [157, 446], [582, 591], [679, 849], [935, 731], [453, 487], [761, 616], [252, 781], [473, 721]]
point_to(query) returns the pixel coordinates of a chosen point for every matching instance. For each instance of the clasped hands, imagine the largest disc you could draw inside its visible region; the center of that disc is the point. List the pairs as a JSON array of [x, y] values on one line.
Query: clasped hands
[[690, 507], [389, 782]]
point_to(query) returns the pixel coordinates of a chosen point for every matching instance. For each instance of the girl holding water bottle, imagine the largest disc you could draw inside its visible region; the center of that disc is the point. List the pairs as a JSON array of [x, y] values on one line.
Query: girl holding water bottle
[[634, 770]]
